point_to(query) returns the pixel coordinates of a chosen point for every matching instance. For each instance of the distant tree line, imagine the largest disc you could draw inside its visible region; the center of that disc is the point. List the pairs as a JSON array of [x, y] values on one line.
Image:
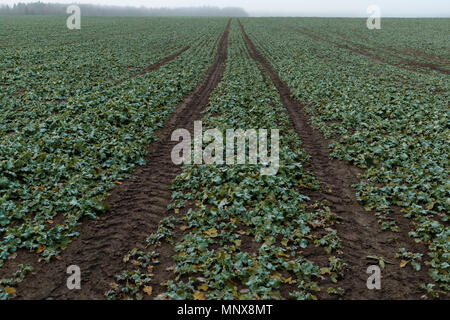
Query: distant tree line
[[41, 8]]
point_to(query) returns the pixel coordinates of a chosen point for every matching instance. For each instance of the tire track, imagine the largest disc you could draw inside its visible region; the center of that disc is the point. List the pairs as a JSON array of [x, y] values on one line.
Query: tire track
[[368, 52], [359, 230], [154, 66], [136, 208]]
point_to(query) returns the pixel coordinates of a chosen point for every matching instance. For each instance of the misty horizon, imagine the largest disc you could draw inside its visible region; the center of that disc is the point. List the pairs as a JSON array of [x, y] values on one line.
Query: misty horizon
[[265, 8]]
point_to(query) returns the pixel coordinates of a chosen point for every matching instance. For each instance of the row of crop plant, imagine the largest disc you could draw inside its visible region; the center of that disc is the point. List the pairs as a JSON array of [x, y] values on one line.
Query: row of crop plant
[[59, 166], [243, 233], [58, 64], [391, 122]]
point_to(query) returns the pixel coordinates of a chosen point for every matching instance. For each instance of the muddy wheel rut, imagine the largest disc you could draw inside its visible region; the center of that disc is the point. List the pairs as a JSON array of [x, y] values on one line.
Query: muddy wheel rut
[[136, 208], [359, 230]]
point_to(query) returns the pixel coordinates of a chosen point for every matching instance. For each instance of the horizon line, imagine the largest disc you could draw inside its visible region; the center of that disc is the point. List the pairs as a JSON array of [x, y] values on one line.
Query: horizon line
[[250, 13]]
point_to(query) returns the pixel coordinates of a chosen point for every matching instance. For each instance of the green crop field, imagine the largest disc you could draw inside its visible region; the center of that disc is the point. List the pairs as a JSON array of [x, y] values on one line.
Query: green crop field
[[86, 175]]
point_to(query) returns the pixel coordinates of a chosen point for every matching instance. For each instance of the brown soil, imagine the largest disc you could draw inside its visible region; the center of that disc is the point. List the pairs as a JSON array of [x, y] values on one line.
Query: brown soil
[[359, 230], [136, 208], [154, 66]]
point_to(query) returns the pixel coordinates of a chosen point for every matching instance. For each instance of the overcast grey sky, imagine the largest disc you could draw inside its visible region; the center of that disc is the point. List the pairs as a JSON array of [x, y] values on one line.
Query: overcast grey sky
[[407, 8]]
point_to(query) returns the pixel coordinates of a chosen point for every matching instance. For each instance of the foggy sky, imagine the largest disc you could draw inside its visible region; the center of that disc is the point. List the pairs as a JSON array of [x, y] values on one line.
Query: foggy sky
[[397, 8]]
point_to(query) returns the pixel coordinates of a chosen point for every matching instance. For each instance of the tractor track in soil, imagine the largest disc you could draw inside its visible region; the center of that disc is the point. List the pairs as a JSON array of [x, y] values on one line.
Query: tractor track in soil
[[154, 66], [359, 230], [136, 208], [375, 55]]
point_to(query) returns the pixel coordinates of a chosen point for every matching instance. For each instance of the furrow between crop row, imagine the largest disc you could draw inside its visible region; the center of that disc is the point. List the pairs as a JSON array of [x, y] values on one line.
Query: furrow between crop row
[[376, 54], [155, 66]]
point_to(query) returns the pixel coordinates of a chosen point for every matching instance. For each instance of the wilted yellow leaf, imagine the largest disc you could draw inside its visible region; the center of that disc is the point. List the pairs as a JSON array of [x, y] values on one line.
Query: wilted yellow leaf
[[171, 268], [211, 232], [289, 280], [403, 263], [184, 228], [276, 276], [199, 295], [237, 242], [148, 290], [325, 271], [203, 287], [113, 285], [10, 290], [283, 255], [135, 263], [40, 249]]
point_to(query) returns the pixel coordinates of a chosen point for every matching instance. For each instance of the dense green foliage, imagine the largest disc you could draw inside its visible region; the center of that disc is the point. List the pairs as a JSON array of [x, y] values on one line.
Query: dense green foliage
[[75, 120], [245, 232], [385, 115], [58, 158]]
